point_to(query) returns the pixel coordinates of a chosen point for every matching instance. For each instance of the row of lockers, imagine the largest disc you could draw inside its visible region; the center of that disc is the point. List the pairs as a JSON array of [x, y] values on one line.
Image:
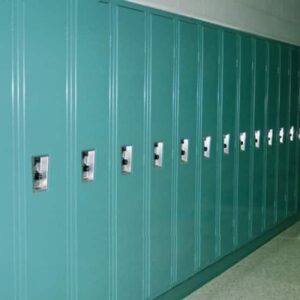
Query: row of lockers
[[129, 84]]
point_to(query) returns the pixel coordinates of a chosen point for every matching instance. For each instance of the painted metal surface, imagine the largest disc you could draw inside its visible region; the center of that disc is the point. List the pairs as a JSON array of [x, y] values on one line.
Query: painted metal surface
[[104, 75]]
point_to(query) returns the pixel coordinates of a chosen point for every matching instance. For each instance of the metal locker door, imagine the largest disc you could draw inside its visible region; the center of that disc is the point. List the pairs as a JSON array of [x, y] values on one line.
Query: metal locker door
[[245, 118], [187, 112], [9, 177], [292, 138], [272, 137], [93, 57], [130, 76], [161, 91], [259, 137], [283, 132], [45, 134], [210, 85], [228, 148]]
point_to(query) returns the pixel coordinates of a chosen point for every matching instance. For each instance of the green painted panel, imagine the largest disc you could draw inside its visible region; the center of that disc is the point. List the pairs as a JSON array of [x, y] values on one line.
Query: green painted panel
[[245, 125], [283, 123], [292, 184], [7, 212], [187, 112], [210, 59], [130, 124], [45, 132], [228, 127], [162, 68], [272, 116], [93, 54], [259, 114]]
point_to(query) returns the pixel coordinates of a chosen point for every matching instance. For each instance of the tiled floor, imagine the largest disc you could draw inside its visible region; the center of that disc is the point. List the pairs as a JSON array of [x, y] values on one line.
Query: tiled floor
[[271, 272]]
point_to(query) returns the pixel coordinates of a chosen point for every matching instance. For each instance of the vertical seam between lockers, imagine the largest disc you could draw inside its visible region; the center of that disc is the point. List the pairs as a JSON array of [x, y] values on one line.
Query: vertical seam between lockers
[[175, 151], [251, 136], [198, 151], [237, 140], [265, 135], [218, 141], [297, 134]]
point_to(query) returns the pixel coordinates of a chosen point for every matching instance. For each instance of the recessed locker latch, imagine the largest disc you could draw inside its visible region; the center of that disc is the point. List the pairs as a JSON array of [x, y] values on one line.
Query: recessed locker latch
[[243, 141], [40, 166], [126, 159], [299, 134], [226, 143], [207, 145], [184, 150], [88, 165], [281, 135], [158, 154], [292, 133], [270, 137], [257, 138]]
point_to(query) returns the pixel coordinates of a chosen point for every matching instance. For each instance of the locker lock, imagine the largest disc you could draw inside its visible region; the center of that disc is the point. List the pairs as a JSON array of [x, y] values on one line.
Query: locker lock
[[281, 135], [184, 152], [270, 137], [40, 173], [292, 134], [243, 141], [299, 134], [88, 165], [207, 146], [158, 154], [226, 142], [257, 138], [126, 159]]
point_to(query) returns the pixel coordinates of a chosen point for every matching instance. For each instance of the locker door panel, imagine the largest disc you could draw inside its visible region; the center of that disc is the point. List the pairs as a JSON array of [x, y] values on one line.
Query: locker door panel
[[283, 123], [6, 154], [245, 125], [93, 54], [228, 127], [292, 200], [130, 128], [162, 41], [258, 169], [209, 128], [272, 116], [188, 49], [45, 131]]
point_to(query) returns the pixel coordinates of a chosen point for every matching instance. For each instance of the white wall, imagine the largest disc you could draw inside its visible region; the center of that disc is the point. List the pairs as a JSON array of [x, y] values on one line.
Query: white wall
[[278, 19]]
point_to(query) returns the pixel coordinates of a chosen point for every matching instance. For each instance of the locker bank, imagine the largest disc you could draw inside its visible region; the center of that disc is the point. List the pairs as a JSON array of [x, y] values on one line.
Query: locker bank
[[143, 152]]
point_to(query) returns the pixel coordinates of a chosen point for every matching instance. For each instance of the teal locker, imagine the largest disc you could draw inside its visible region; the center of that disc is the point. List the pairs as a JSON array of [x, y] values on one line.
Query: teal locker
[[294, 92], [298, 135], [161, 91], [283, 124], [130, 72], [245, 118], [259, 136], [93, 53], [272, 137], [210, 75], [45, 222], [9, 183], [228, 136], [187, 112]]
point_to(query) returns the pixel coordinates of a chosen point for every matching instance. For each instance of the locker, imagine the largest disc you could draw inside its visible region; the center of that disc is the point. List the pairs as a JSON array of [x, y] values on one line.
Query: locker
[[292, 139], [8, 116], [130, 70], [245, 117], [162, 74], [187, 112], [259, 144], [272, 149], [228, 185], [283, 124], [93, 53], [210, 69]]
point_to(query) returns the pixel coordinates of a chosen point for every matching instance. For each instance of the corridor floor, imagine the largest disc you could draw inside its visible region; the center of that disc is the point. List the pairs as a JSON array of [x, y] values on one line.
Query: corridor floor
[[271, 272]]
